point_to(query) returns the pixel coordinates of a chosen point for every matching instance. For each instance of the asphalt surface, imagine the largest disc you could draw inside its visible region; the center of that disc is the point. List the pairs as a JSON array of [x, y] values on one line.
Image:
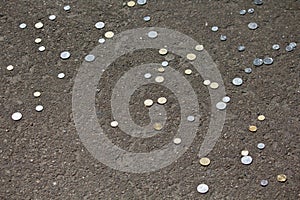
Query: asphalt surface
[[42, 156]]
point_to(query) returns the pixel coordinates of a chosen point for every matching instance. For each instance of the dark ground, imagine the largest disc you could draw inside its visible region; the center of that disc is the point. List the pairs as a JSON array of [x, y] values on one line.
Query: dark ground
[[44, 148]]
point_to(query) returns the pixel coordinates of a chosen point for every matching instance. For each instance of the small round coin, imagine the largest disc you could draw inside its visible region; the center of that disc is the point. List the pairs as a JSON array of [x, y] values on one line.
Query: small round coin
[[159, 79], [16, 116], [65, 55], [100, 25], [252, 128], [206, 82], [23, 25], [188, 71], [42, 48], [221, 105], [248, 70], [39, 108], [10, 67], [147, 75], [157, 126], [163, 51], [161, 69], [204, 161], [37, 94], [261, 117], [246, 160], [52, 17], [191, 56], [162, 100], [261, 146], [199, 47], [89, 58], [177, 140], [148, 102], [38, 40], [237, 81], [114, 124], [130, 3], [244, 152], [202, 188], [61, 75], [214, 28], [258, 62], [39, 25], [109, 34], [281, 178], [191, 118], [214, 85], [264, 183], [226, 99], [252, 26], [152, 34]]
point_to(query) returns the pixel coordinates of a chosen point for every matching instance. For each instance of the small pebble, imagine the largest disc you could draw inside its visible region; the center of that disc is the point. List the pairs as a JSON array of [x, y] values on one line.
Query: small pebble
[[281, 178]]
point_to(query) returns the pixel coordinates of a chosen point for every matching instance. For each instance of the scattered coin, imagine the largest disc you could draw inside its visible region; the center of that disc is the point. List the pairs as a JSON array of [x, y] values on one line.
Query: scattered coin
[[214, 28], [268, 61], [152, 34], [206, 82], [204, 161], [264, 183], [159, 79], [261, 117], [188, 71], [67, 8], [39, 108], [243, 12], [10, 67], [289, 48], [251, 10], [191, 118], [191, 56], [177, 140], [162, 100], [42, 48], [39, 25], [147, 75], [16, 116], [161, 69], [61, 75], [37, 94], [293, 44], [141, 2], [157, 126], [52, 17], [252, 128], [252, 25], [148, 102], [147, 18], [258, 2], [281, 178], [130, 3], [163, 51], [257, 62], [109, 34], [246, 160], [23, 25], [248, 70], [202, 188], [114, 124], [223, 37], [214, 85], [199, 47], [100, 25], [65, 55], [101, 40], [275, 47], [226, 99], [165, 63], [241, 48], [89, 58], [261, 146], [38, 40], [237, 81], [245, 153], [221, 105]]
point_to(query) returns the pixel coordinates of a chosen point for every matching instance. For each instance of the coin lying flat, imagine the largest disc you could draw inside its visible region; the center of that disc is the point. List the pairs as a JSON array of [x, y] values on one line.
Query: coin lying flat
[[204, 161]]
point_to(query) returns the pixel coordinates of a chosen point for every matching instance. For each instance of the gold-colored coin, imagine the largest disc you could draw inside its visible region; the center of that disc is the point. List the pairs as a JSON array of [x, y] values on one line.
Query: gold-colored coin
[[261, 117], [161, 69], [148, 102], [199, 47], [130, 3], [161, 100], [245, 153], [163, 51], [109, 34], [252, 128], [204, 161], [214, 85], [191, 56], [281, 178], [157, 126], [188, 71]]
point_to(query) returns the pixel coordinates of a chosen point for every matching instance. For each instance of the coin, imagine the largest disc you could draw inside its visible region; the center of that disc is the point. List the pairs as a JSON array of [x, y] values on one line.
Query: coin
[[38, 40], [221, 105], [39, 108], [252, 128], [89, 58], [264, 183], [243, 12], [191, 118], [163, 51], [147, 75], [261, 146], [199, 47], [245, 153], [214, 28], [241, 48], [214, 85], [206, 82], [177, 140], [161, 69], [252, 25], [246, 160], [65, 55], [148, 102], [61, 75], [276, 47], [202, 188], [226, 99], [141, 2], [67, 8], [251, 10], [100, 25], [152, 34], [261, 117], [223, 37], [39, 25], [52, 17], [114, 124], [159, 79], [23, 25], [188, 71], [10, 67], [165, 63], [281, 178], [157, 126], [248, 70], [258, 62], [42, 48], [109, 34], [237, 81], [101, 40], [162, 100], [16, 116], [268, 61], [204, 161], [191, 56], [36, 94], [130, 3], [147, 18]]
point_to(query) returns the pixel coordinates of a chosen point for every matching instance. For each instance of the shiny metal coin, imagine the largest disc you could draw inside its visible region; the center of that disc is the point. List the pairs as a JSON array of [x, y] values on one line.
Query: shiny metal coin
[[114, 124], [251, 10], [261, 146], [23, 25], [252, 128], [65, 55], [243, 12], [147, 18], [241, 48], [157, 126], [248, 70], [159, 79], [177, 140], [191, 118], [16, 116], [100, 25], [163, 51], [89, 58], [165, 63], [39, 25], [161, 69], [38, 40], [147, 75], [252, 25], [221, 105], [261, 117], [264, 183], [245, 153], [246, 160], [204, 161], [162, 100], [214, 85], [188, 71], [289, 48], [202, 188], [275, 47], [152, 34], [206, 82], [258, 62], [214, 28], [148, 102], [293, 44], [141, 2], [109, 34], [281, 178], [237, 81], [67, 8], [268, 61], [39, 108], [226, 99], [199, 47], [10, 67], [130, 3], [191, 56], [42, 48], [52, 17], [258, 2], [223, 37], [37, 94], [101, 40], [61, 75]]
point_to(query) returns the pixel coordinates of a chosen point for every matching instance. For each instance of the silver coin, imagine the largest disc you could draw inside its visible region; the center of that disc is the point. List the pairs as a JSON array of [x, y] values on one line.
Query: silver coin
[[152, 34], [264, 183], [223, 37], [243, 12], [275, 46], [42, 48], [52, 17], [114, 124], [39, 108], [141, 2], [67, 8], [16, 116], [100, 25], [246, 160], [191, 118], [61, 75], [268, 61], [248, 70], [261, 145], [89, 58], [251, 10], [258, 2], [202, 188], [147, 18], [289, 48], [214, 28], [241, 48], [221, 105], [23, 25], [165, 63], [147, 75], [101, 40], [293, 44], [226, 99], [257, 62], [252, 25], [237, 81], [65, 55]]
